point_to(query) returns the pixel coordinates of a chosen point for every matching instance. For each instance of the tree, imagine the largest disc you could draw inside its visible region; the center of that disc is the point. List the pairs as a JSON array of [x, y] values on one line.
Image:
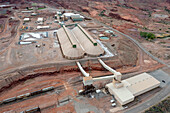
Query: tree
[[151, 36], [148, 36], [143, 34]]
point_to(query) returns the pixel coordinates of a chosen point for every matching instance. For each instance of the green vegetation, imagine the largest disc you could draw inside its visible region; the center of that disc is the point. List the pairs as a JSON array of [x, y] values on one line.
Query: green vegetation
[[168, 57], [162, 107], [162, 42], [167, 9], [102, 13], [41, 8], [149, 13], [145, 28], [148, 36]]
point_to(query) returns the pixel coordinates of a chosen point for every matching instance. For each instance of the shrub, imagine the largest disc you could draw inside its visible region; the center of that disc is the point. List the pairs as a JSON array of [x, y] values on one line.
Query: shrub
[[151, 36], [102, 13], [143, 34], [148, 36]]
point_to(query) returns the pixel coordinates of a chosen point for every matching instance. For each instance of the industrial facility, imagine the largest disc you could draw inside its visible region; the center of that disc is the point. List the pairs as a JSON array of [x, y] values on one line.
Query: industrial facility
[[125, 91], [61, 60]]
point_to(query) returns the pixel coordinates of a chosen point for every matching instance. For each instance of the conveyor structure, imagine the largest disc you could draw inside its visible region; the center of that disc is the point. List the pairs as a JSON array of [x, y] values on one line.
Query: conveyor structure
[[116, 74]]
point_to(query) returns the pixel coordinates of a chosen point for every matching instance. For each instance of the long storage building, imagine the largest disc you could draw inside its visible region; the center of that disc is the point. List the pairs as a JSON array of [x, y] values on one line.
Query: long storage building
[[133, 87], [91, 47], [69, 45], [77, 42]]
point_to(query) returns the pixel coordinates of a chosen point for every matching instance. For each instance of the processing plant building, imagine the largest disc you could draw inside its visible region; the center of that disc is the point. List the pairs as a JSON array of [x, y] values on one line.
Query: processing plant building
[[133, 87], [76, 42]]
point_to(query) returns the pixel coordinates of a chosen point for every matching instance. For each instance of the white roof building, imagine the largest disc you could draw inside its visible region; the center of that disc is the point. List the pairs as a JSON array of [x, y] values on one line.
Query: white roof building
[[43, 27], [72, 15], [40, 19], [29, 39], [25, 43], [68, 14], [59, 13], [133, 87], [33, 14], [26, 19], [26, 11]]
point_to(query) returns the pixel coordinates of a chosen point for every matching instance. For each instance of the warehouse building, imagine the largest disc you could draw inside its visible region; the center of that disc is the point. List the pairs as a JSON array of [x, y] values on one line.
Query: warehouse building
[[43, 27], [73, 16], [67, 15], [77, 17], [133, 87], [77, 42], [91, 47], [33, 14], [69, 45]]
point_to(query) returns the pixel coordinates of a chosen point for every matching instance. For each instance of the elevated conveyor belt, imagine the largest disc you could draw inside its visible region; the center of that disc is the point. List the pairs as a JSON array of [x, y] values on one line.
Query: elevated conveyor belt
[[82, 70], [103, 78], [107, 67], [117, 75]]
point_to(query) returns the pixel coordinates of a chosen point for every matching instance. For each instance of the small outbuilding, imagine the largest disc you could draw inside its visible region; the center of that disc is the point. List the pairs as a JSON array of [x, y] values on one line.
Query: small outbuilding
[[26, 19], [40, 19], [26, 11], [59, 13], [33, 14]]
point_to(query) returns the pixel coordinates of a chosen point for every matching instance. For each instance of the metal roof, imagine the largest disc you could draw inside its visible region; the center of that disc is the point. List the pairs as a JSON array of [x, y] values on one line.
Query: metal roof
[[40, 19], [132, 87], [67, 40], [76, 42], [140, 83], [92, 48]]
